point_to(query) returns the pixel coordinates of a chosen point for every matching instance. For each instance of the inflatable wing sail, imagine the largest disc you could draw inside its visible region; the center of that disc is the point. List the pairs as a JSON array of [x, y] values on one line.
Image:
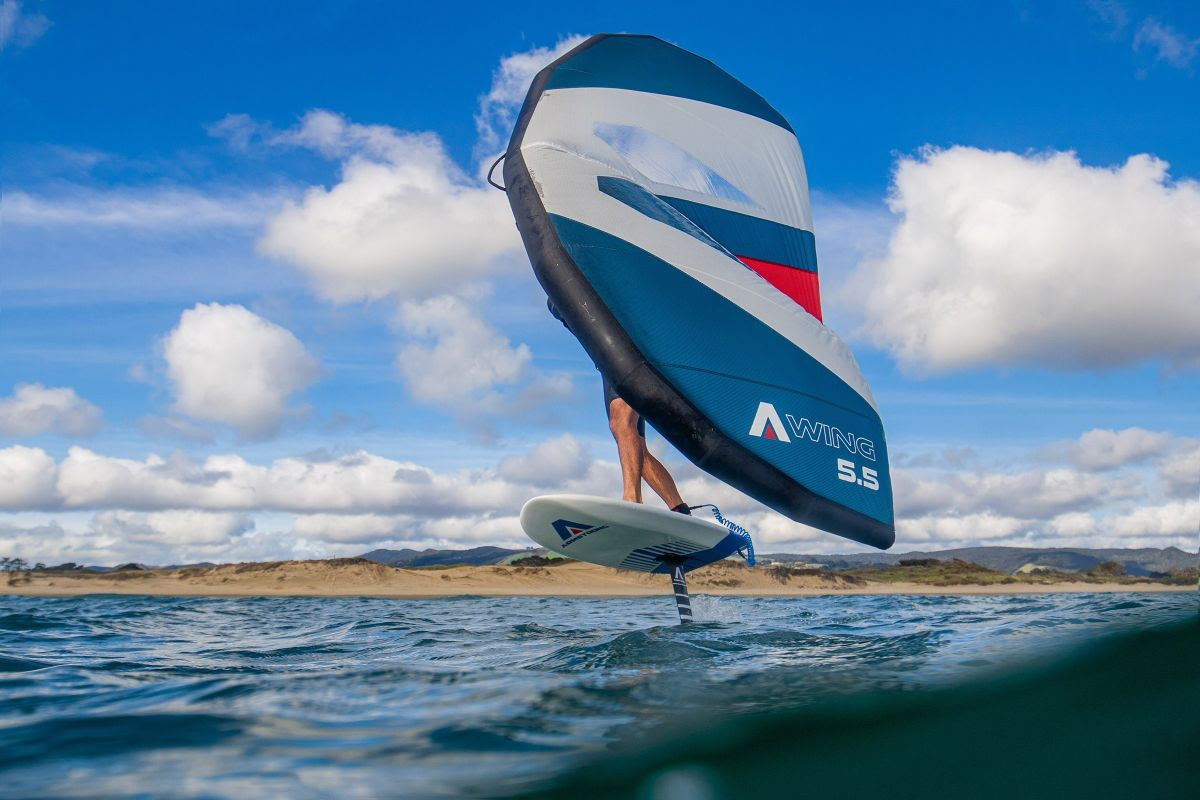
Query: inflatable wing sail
[[665, 209]]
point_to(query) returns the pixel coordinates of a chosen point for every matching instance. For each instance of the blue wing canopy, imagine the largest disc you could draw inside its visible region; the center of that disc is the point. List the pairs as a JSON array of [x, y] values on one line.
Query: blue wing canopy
[[665, 209]]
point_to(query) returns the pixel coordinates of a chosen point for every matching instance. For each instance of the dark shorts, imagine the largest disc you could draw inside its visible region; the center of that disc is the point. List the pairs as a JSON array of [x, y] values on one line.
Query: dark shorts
[[610, 394]]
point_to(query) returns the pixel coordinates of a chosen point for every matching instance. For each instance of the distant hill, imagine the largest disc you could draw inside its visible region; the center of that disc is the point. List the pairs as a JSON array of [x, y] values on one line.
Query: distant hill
[[1143, 561], [475, 556]]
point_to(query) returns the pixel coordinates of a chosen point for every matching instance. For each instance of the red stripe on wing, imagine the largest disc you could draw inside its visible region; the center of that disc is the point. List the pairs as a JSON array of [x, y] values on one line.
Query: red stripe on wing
[[798, 284]]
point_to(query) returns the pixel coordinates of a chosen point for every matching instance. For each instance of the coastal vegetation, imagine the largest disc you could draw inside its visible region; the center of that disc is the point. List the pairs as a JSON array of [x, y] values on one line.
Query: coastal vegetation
[[540, 561], [956, 572], [536, 575]]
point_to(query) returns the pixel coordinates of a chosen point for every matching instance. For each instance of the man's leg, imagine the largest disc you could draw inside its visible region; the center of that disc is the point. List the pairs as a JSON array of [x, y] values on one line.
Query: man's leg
[[659, 479], [631, 447], [637, 461]]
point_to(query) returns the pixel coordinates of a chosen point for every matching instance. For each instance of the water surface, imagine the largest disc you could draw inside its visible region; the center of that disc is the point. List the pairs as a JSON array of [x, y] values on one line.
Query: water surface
[[303, 697]]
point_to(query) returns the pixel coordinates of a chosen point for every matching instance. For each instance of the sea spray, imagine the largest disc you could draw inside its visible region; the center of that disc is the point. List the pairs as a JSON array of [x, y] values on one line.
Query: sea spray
[[711, 608]]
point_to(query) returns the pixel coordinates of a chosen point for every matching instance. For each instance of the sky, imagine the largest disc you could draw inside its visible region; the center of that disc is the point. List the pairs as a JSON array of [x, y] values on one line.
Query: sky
[[258, 302]]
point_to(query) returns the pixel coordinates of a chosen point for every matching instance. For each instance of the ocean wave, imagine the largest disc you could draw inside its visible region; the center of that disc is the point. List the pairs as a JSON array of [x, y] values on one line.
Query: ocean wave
[[263, 697]]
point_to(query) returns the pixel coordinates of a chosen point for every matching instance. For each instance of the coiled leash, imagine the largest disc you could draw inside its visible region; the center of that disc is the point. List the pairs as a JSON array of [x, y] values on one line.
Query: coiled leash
[[746, 551]]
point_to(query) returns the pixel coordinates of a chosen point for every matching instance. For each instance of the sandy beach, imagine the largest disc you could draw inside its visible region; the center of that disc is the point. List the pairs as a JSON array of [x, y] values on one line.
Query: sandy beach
[[358, 577]]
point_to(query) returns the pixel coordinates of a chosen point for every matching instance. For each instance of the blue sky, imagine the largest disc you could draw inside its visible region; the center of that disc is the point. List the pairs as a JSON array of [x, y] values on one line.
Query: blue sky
[[256, 302]]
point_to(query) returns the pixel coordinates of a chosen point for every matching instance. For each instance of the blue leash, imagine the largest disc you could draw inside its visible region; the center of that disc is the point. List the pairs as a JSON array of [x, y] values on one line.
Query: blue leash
[[746, 551]]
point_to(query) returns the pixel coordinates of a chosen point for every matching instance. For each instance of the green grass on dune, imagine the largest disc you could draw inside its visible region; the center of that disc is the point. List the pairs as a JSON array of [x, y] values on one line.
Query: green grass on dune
[[933, 572]]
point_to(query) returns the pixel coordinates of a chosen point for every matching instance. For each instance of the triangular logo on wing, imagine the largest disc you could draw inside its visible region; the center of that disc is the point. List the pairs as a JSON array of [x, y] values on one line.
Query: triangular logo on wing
[[768, 425], [569, 530]]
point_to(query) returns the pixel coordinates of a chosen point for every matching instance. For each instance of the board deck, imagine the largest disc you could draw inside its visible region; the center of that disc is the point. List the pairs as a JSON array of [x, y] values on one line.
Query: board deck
[[624, 535]]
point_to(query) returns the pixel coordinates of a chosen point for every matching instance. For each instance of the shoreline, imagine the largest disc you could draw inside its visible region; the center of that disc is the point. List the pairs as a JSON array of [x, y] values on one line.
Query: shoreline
[[360, 578]]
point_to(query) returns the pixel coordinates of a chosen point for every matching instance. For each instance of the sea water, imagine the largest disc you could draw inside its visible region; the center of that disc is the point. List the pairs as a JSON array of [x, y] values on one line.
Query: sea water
[[122, 696]]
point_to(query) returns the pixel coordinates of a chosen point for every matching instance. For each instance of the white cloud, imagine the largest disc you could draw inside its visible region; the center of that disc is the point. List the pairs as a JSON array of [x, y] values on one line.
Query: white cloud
[[1024, 494], [848, 233], [399, 531], [1181, 518], [172, 508], [404, 218], [240, 131], [459, 362], [169, 537], [1000, 258], [1111, 13], [356, 482], [1167, 44], [914, 495], [175, 428], [467, 355], [954, 530], [181, 528], [354, 528], [949, 507], [34, 543], [1100, 449], [151, 208], [550, 463], [27, 477], [1077, 524], [227, 364], [349, 483], [1180, 470], [510, 83], [19, 29], [405, 221], [475, 531], [34, 409]]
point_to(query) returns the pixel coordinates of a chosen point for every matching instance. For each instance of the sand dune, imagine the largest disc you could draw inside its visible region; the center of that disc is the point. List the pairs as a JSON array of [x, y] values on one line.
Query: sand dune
[[358, 577]]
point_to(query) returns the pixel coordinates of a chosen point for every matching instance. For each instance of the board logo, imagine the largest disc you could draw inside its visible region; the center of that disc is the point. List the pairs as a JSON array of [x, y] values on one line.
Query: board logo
[[569, 530], [767, 424]]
